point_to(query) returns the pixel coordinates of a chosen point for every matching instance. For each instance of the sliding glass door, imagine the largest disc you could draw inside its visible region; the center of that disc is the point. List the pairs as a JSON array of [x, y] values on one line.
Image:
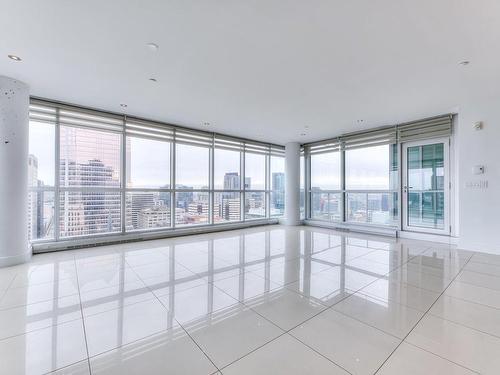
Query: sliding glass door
[[426, 186]]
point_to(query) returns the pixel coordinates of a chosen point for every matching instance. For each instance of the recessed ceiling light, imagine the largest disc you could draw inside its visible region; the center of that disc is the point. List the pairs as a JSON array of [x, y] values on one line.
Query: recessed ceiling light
[[153, 47], [206, 123], [14, 57], [464, 63], [360, 121], [123, 105], [153, 80]]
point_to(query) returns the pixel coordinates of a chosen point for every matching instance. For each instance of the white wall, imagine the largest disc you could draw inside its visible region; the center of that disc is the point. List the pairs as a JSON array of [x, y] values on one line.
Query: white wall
[[479, 209]]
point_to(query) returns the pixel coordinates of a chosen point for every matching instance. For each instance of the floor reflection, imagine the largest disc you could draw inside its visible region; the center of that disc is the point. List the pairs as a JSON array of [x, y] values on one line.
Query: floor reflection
[[273, 275]]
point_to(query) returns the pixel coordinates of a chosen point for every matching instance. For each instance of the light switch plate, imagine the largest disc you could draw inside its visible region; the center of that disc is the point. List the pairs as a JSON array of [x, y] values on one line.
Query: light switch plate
[[478, 169]]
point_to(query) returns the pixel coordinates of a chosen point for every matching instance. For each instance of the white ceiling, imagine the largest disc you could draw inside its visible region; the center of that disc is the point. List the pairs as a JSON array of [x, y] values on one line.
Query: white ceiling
[[257, 69]]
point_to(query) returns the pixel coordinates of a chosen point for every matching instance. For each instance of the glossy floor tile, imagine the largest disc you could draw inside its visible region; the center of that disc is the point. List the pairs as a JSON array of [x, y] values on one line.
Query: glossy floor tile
[[114, 328], [321, 288], [284, 356], [480, 317], [19, 320], [410, 360], [246, 286], [467, 347], [483, 268], [43, 350], [486, 258], [79, 368], [473, 293], [404, 294], [479, 279], [262, 300], [197, 302], [285, 308], [355, 346], [407, 275], [229, 335], [387, 316], [171, 352], [26, 295]]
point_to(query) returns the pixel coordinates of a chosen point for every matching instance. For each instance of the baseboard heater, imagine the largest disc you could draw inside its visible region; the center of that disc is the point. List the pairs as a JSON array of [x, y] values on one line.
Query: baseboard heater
[[85, 242], [369, 229]]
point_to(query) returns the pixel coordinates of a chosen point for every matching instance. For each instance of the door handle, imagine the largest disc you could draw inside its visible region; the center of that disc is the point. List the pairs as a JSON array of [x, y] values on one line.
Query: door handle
[[406, 188]]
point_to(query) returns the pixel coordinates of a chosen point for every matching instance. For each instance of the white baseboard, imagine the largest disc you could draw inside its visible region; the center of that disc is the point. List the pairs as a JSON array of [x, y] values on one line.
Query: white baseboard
[[16, 259]]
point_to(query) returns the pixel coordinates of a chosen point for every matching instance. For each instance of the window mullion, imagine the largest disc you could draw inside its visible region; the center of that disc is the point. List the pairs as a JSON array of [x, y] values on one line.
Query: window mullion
[[123, 175], [173, 173], [57, 163], [211, 196], [343, 196]]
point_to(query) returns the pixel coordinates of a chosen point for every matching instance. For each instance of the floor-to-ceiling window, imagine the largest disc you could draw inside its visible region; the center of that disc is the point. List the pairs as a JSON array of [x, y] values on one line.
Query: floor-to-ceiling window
[[89, 181], [353, 180], [227, 181], [191, 184], [255, 185], [277, 186], [326, 188], [41, 180], [148, 197], [93, 173], [371, 184], [356, 178]]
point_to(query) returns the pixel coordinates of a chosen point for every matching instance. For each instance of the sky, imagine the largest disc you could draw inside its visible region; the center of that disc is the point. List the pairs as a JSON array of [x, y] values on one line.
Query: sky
[[366, 168], [149, 160]]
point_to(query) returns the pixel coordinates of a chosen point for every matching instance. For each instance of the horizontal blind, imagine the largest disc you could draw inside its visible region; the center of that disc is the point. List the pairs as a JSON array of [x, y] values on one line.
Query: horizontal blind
[[277, 150], [86, 118], [439, 126], [256, 148], [425, 129], [228, 143], [376, 137], [193, 137], [42, 112], [65, 114], [330, 145], [148, 129]]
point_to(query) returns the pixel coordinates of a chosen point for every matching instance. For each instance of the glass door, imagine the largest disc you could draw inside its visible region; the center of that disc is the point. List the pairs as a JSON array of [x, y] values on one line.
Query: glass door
[[426, 186]]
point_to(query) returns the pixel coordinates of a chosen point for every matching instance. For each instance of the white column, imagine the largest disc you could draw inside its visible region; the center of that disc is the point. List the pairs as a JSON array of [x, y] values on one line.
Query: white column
[[292, 183], [14, 108]]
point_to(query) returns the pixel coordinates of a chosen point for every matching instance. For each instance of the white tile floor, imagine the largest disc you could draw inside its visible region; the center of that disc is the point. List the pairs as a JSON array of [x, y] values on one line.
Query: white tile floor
[[268, 300]]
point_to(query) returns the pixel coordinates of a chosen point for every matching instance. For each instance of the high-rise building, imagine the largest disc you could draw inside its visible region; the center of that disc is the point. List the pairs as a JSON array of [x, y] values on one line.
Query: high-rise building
[[278, 181], [84, 212], [153, 217], [197, 212], [278, 187], [135, 204], [232, 181], [230, 209]]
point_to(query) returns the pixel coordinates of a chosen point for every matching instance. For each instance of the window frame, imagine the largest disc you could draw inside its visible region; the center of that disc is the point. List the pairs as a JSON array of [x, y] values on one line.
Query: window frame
[[139, 128], [394, 222]]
